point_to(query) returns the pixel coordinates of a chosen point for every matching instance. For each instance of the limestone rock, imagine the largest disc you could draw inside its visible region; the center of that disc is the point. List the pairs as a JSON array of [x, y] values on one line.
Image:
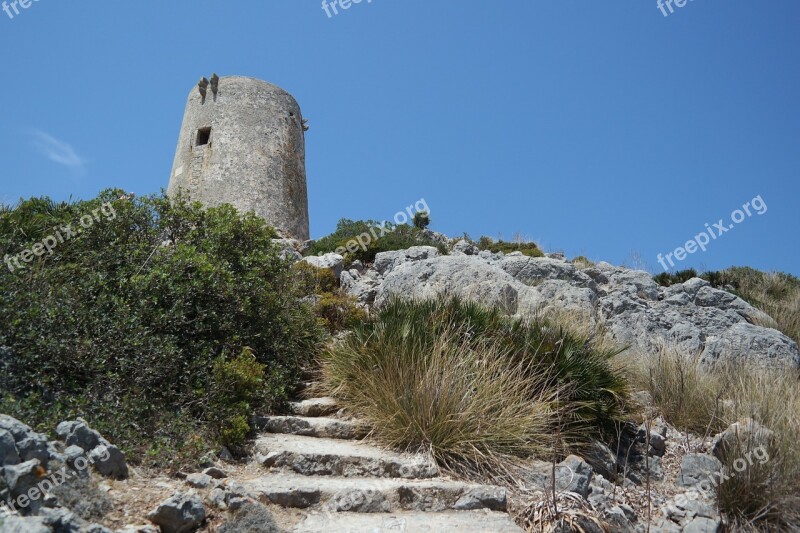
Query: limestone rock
[[181, 513]]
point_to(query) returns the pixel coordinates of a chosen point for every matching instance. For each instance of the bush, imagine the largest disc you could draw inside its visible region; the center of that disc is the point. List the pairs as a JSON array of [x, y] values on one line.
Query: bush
[[81, 495], [531, 249], [422, 219], [666, 279], [140, 323], [339, 311], [474, 387], [397, 237]]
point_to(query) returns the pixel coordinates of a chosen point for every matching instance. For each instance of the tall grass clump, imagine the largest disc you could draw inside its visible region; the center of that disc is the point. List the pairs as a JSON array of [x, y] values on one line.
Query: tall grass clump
[[684, 392], [765, 496], [475, 388]]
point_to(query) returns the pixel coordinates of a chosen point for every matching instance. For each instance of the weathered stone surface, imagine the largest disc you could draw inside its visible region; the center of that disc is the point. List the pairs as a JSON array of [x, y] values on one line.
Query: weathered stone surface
[[466, 276], [109, 461], [465, 248], [29, 444], [315, 407], [252, 156], [8, 449], [180, 513], [742, 437], [385, 262], [702, 525], [216, 473], [329, 428], [23, 524], [697, 468], [21, 478], [460, 521], [331, 261], [199, 481], [330, 457]]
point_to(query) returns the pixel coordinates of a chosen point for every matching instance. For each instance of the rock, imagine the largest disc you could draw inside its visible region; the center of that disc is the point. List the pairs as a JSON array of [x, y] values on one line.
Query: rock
[[742, 437], [385, 262], [216, 473], [29, 444], [199, 481], [180, 513], [573, 474], [23, 524], [21, 480], [331, 261], [288, 249], [465, 248], [315, 407], [359, 501], [702, 525], [138, 529], [109, 461], [492, 498], [697, 468], [602, 460], [466, 276], [537, 269], [218, 498], [8, 449]]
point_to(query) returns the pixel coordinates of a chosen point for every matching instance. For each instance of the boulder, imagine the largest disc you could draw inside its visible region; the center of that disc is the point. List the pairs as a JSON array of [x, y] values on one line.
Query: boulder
[[385, 262], [331, 261], [181, 513]]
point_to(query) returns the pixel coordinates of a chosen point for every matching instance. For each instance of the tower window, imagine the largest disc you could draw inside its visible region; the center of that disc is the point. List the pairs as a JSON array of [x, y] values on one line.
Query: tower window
[[203, 137]]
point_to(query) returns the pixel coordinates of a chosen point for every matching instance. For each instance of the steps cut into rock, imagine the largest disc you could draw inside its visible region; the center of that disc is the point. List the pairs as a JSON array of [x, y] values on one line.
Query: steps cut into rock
[[327, 428], [312, 456], [446, 522], [365, 495], [315, 407]]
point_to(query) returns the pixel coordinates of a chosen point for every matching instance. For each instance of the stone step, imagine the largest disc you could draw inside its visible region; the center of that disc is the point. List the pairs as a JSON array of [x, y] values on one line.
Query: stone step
[[375, 495], [315, 407], [328, 428], [311, 456], [449, 522]]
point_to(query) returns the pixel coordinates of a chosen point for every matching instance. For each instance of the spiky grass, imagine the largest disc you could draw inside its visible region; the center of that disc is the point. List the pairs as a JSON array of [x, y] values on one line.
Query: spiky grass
[[477, 389]]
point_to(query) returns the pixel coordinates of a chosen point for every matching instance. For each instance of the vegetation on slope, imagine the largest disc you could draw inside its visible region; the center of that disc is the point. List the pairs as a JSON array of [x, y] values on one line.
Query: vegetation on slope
[[777, 294], [363, 239], [165, 326], [477, 389]]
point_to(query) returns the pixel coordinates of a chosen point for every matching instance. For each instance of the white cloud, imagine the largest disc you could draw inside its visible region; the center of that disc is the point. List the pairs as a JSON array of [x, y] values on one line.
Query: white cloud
[[57, 151]]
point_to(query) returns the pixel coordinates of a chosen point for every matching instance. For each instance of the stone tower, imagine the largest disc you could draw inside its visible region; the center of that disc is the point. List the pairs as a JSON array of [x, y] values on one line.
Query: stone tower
[[242, 142]]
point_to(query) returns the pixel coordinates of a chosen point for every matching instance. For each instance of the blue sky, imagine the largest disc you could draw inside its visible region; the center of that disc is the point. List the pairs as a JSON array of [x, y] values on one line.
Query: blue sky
[[597, 128]]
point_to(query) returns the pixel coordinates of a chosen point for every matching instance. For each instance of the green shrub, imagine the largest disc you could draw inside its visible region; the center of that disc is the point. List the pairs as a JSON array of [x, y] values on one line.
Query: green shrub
[[666, 279], [339, 311], [345, 240], [131, 324], [422, 219], [476, 388], [309, 279], [531, 249]]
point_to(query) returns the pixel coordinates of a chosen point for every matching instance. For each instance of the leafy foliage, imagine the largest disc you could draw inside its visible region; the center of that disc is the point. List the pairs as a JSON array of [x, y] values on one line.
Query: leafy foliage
[[363, 239], [530, 249], [144, 322]]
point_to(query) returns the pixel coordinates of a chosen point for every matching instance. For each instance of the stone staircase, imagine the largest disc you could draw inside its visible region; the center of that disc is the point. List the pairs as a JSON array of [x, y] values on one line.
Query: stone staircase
[[344, 485]]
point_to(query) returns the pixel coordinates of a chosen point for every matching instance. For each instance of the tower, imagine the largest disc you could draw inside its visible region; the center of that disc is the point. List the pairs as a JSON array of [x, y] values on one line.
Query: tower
[[242, 142]]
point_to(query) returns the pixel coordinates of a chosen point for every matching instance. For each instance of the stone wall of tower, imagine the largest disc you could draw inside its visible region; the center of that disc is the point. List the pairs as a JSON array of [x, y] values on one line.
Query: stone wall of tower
[[245, 146]]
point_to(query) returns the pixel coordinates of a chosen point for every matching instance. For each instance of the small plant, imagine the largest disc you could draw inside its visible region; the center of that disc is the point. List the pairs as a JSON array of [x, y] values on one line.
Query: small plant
[[665, 279], [422, 219], [339, 311], [531, 249], [253, 517]]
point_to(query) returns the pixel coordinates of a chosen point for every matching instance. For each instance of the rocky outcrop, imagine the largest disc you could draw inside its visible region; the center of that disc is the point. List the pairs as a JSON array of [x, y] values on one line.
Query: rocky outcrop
[[692, 317]]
